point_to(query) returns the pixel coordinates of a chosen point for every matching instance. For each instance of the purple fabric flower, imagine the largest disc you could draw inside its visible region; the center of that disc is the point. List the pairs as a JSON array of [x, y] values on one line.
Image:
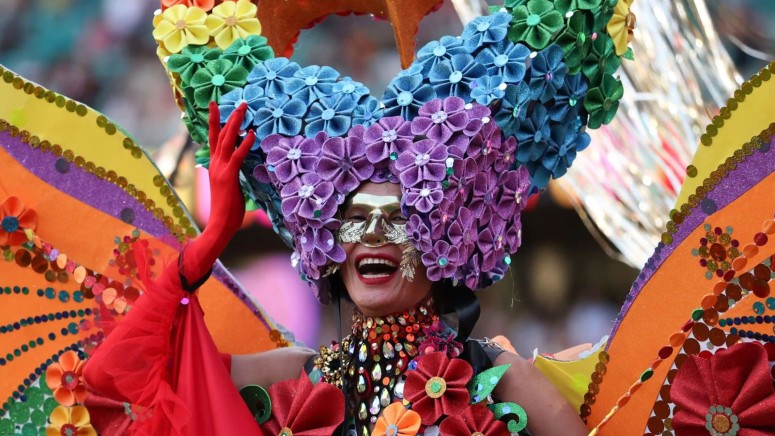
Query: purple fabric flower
[[424, 196], [387, 138], [490, 243], [343, 162], [419, 233], [461, 181], [308, 197], [477, 115], [462, 231], [422, 161], [320, 244], [486, 146], [472, 272], [442, 261], [513, 233], [507, 157], [442, 121], [513, 190], [485, 189], [288, 157], [440, 218]]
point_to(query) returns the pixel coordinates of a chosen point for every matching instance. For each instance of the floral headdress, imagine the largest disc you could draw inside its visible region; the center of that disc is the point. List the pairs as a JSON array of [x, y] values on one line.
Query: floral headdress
[[473, 126]]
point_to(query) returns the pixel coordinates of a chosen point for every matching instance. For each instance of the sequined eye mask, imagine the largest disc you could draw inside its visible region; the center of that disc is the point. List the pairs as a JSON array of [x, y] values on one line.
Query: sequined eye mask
[[446, 129]]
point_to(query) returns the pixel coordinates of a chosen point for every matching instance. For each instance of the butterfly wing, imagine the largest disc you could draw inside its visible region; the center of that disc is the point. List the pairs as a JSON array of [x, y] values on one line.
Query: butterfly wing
[[76, 192]]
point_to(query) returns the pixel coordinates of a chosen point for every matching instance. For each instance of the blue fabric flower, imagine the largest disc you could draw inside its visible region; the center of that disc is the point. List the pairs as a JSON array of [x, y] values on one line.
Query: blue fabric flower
[[318, 83], [513, 110], [280, 115], [547, 73], [486, 29], [560, 153], [405, 95], [331, 115], [436, 51], [350, 89], [253, 95], [487, 89], [413, 69], [569, 98], [276, 76], [532, 136], [367, 112], [453, 78], [505, 59]]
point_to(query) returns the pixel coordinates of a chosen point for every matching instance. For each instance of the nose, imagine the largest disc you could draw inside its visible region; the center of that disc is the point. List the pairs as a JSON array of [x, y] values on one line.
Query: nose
[[374, 235]]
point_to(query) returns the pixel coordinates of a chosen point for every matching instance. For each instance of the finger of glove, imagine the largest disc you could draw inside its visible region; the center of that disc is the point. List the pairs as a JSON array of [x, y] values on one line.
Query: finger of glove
[[242, 152], [215, 127], [229, 134]]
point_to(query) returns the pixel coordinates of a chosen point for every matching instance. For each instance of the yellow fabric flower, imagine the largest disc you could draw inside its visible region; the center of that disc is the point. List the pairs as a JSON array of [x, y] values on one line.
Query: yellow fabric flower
[[618, 26], [180, 26], [232, 20], [70, 420]]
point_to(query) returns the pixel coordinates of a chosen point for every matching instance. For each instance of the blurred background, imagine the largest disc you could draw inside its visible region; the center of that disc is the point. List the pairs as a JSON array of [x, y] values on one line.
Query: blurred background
[[563, 288]]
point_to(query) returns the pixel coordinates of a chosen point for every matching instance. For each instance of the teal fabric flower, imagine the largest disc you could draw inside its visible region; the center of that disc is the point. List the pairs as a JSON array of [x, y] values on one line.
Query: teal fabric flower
[[575, 41], [569, 98], [280, 115], [601, 60], [349, 89], [455, 77], [405, 95], [563, 6], [215, 79], [484, 30], [534, 23], [190, 60], [547, 73], [437, 51], [513, 109], [331, 115], [602, 102], [318, 83], [248, 52], [505, 59], [488, 89], [368, 112]]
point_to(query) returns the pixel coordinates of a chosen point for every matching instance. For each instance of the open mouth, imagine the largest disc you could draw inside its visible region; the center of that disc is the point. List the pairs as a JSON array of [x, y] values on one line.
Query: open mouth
[[376, 269]]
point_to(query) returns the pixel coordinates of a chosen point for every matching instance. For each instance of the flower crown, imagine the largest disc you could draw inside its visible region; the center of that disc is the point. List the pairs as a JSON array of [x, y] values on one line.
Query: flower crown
[[473, 126]]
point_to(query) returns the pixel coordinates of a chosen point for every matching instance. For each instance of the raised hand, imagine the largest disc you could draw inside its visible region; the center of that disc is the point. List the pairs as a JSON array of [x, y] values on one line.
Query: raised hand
[[227, 204]]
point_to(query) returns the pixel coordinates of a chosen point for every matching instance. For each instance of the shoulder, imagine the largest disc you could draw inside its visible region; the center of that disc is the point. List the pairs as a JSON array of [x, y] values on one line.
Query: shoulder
[[269, 367]]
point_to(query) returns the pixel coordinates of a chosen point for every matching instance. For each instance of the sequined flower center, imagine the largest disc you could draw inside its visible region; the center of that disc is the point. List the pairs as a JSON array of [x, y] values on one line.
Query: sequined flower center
[[721, 421], [435, 387], [10, 224], [285, 432]]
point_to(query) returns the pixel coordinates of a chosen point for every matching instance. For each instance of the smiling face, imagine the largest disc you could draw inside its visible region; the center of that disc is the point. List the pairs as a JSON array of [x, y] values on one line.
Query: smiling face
[[371, 271]]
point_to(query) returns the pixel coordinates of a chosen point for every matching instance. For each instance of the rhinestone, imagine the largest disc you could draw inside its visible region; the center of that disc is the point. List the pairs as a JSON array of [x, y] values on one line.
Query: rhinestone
[[387, 351]]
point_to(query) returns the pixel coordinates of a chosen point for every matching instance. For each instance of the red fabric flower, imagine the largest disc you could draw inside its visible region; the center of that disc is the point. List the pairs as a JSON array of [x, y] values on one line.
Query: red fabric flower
[[730, 391], [476, 419], [438, 387], [304, 409], [14, 220]]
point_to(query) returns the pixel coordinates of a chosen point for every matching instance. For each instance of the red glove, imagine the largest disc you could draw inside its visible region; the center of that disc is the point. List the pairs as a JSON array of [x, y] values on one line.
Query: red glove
[[227, 204]]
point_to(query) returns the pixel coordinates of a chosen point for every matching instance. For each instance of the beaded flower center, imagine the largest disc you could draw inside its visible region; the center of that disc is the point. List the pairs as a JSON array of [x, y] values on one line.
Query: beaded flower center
[[439, 117], [306, 191], [422, 159], [294, 154], [10, 224], [389, 135]]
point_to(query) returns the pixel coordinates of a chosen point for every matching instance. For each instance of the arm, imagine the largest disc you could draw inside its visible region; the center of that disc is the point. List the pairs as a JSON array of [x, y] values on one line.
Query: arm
[[548, 413], [267, 368]]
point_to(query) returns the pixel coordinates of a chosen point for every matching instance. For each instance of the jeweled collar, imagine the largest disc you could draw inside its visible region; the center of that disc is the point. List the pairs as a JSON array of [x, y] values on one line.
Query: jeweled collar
[[407, 324]]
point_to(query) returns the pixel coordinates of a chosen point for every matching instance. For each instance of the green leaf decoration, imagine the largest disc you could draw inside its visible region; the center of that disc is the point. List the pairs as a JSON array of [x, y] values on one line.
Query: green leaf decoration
[[507, 412], [629, 54], [190, 60], [603, 102], [217, 78], [248, 52], [482, 385], [535, 23], [575, 41], [258, 401]]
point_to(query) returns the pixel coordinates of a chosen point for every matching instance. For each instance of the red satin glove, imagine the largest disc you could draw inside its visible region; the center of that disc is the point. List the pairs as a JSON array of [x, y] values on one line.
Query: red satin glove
[[227, 204]]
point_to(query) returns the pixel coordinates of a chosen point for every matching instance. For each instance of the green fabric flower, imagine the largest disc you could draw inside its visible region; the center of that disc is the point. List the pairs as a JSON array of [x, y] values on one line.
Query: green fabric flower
[[510, 5], [603, 14], [535, 23], [248, 52], [563, 6], [601, 60], [196, 121], [190, 60], [575, 40], [603, 101], [215, 79]]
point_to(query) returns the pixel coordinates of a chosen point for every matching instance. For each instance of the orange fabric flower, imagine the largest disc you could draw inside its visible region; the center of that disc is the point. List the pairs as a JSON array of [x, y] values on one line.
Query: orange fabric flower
[[65, 379], [70, 421], [205, 5], [14, 220], [396, 420]]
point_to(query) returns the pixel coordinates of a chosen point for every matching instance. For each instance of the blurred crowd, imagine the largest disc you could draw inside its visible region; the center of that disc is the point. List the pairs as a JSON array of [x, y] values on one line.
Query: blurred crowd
[[563, 288]]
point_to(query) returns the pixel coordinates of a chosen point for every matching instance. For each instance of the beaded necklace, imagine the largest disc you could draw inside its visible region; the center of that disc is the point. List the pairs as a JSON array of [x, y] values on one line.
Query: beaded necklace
[[376, 355]]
